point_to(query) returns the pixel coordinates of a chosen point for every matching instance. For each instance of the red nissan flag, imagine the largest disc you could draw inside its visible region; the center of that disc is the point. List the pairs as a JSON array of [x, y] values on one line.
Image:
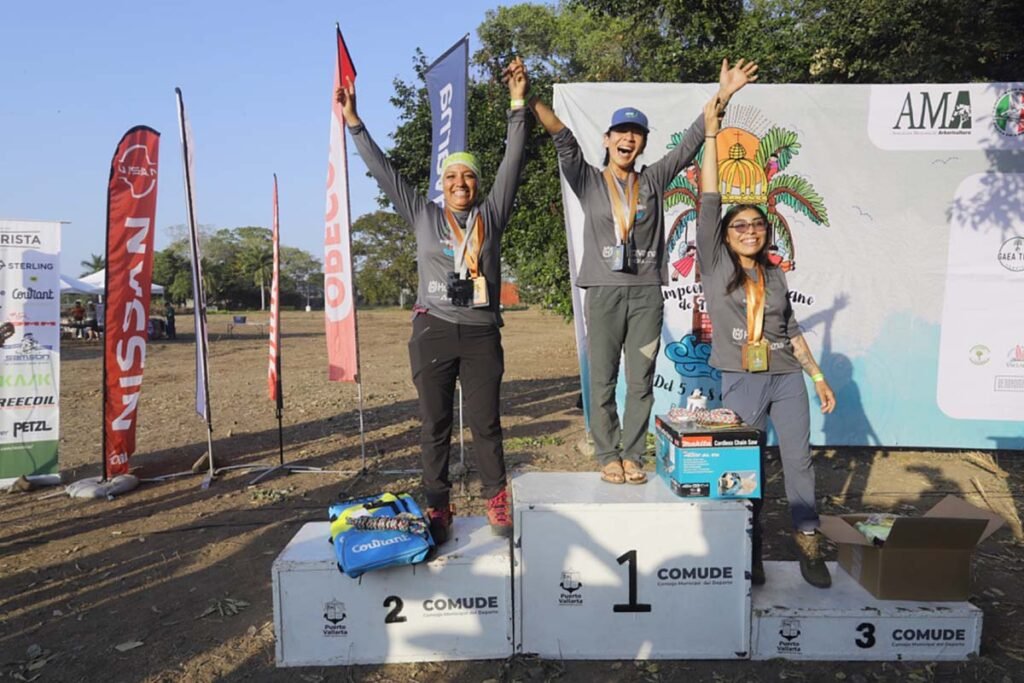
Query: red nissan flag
[[274, 369], [339, 301], [131, 212]]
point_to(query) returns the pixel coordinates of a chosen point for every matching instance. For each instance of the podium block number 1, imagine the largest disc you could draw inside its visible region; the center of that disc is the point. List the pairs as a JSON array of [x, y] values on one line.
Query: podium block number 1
[[632, 605]]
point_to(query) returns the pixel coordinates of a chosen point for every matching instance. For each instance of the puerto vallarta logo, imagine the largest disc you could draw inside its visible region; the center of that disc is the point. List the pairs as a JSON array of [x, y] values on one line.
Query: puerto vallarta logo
[[1008, 113]]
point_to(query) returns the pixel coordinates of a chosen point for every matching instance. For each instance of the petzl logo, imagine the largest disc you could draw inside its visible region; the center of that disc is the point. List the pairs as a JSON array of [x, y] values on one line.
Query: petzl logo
[[946, 113], [31, 426], [1011, 254], [136, 170], [1008, 113]]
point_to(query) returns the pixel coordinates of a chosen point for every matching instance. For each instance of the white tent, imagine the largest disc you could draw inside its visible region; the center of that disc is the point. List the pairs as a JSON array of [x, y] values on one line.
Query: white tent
[[70, 285], [99, 279]]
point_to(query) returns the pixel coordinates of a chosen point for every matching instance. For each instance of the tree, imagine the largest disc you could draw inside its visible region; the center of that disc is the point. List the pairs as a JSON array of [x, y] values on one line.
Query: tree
[[94, 263], [385, 257], [256, 257]]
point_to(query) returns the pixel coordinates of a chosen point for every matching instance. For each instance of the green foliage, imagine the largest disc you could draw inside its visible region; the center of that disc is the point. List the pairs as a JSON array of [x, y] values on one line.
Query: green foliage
[[92, 264], [385, 258], [233, 262]]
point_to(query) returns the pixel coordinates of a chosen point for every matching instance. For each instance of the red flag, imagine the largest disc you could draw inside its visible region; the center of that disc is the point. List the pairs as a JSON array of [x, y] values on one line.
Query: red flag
[[131, 211], [274, 369], [339, 302]]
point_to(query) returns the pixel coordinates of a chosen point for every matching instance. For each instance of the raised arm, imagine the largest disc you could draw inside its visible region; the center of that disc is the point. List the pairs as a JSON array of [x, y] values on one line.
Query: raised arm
[[402, 195], [810, 366], [709, 217], [573, 165], [506, 181]]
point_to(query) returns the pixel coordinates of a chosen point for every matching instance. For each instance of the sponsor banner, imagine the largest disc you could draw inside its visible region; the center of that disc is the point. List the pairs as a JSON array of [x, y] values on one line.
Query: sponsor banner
[[274, 367], [339, 296], [446, 82], [131, 212], [903, 246], [198, 286], [29, 347]]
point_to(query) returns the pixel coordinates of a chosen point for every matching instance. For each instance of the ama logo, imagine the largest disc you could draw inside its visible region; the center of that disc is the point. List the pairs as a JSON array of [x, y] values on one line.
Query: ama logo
[[945, 113]]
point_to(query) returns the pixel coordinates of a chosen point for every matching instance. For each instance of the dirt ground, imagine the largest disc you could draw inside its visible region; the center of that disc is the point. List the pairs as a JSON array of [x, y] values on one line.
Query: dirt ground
[[183, 575]]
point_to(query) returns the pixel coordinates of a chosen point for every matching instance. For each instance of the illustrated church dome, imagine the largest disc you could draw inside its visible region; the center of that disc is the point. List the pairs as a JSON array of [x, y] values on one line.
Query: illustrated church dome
[[742, 180]]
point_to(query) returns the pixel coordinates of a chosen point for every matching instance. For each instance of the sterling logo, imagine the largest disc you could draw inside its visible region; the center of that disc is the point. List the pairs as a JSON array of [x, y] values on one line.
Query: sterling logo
[[16, 265]]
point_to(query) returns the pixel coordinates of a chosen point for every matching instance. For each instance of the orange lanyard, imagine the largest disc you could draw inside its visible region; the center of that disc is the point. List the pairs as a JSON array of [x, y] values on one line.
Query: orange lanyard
[[464, 254], [755, 306], [620, 200]]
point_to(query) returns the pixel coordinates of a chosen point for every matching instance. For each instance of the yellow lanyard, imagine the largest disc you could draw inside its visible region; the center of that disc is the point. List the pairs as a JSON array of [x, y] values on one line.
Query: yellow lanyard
[[755, 306], [470, 256]]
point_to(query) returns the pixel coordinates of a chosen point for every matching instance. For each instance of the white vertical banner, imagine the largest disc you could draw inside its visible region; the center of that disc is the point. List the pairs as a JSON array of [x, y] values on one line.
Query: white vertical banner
[[29, 347]]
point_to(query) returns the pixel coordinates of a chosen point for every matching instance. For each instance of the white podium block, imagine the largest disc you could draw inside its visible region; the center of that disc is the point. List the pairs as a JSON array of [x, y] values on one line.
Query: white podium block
[[628, 572], [457, 606], [794, 620]]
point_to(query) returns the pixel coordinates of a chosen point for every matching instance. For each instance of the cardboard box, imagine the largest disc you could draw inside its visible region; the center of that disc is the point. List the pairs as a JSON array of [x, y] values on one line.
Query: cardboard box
[[698, 462], [924, 558]]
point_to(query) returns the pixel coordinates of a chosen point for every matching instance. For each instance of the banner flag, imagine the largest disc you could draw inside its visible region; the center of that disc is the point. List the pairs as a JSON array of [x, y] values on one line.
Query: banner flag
[[901, 240], [198, 287], [339, 302], [274, 369], [131, 212], [447, 80], [29, 347]]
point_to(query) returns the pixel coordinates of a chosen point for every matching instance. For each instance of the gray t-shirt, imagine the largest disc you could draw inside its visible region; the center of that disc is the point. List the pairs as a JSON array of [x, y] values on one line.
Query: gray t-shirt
[[434, 242], [729, 311], [599, 233]]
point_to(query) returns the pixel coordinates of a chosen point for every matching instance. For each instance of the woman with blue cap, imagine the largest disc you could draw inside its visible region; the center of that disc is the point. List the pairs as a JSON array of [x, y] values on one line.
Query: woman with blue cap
[[624, 267], [456, 321]]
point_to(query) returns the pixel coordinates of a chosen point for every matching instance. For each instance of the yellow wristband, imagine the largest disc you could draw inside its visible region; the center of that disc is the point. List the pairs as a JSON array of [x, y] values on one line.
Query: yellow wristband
[[515, 104], [818, 377]]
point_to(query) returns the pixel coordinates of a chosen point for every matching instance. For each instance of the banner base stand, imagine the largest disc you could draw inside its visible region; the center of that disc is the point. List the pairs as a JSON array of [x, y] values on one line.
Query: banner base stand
[[95, 487], [29, 482]]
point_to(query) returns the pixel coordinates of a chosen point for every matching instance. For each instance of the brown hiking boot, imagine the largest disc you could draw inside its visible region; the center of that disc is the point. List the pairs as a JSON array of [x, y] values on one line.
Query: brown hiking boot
[[812, 559], [440, 521]]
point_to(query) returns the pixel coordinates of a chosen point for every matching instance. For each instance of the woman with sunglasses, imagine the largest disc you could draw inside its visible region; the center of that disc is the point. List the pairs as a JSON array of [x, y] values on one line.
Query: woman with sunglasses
[[757, 344], [624, 267]]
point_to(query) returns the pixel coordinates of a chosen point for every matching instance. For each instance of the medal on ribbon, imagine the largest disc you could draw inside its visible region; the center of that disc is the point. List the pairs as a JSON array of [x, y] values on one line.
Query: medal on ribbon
[[755, 354]]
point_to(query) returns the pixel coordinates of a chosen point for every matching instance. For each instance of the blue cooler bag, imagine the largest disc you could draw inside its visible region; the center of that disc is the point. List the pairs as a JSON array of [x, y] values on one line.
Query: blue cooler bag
[[378, 531]]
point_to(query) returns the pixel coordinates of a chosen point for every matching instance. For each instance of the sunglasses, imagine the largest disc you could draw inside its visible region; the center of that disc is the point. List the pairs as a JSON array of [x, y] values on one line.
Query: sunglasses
[[756, 225]]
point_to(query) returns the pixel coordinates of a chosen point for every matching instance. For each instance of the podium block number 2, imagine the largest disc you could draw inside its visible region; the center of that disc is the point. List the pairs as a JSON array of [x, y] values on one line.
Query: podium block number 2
[[632, 605]]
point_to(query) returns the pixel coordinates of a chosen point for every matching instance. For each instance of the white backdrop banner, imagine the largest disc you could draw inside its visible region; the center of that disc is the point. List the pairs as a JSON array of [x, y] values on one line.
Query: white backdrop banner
[[898, 212], [30, 347]]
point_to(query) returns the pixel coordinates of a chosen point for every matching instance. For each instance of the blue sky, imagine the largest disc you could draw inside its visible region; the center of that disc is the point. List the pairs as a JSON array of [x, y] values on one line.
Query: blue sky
[[256, 78]]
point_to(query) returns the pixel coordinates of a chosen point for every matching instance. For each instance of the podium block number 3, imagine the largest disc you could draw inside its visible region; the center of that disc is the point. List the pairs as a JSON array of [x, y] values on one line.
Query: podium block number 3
[[632, 605]]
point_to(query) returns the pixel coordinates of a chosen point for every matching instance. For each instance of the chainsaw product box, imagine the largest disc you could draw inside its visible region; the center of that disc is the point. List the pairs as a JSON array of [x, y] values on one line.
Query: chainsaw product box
[[702, 462], [924, 558]]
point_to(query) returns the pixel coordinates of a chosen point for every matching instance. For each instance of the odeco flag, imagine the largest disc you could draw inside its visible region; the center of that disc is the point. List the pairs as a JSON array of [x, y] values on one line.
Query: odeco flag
[[131, 211], [274, 369], [339, 304], [446, 87]]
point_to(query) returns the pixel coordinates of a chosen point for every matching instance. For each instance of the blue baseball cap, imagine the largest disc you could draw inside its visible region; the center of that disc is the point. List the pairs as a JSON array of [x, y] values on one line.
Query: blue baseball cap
[[629, 116]]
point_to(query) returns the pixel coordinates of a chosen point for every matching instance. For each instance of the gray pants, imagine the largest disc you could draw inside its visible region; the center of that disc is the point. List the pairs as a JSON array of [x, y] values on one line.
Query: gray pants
[[755, 397], [622, 321]]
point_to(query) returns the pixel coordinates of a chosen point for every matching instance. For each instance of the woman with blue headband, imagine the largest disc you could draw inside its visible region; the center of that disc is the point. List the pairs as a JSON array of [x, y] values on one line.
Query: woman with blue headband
[[624, 267], [456, 318]]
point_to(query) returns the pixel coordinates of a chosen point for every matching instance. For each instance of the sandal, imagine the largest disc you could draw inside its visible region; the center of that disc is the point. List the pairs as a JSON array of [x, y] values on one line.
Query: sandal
[[633, 473], [612, 473]]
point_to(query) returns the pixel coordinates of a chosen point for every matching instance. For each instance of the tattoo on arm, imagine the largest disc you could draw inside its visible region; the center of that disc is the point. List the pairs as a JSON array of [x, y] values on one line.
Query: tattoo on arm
[[803, 355]]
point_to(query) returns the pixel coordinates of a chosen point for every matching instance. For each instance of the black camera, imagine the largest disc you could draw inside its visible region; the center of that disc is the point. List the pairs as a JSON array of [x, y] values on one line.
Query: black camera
[[460, 292]]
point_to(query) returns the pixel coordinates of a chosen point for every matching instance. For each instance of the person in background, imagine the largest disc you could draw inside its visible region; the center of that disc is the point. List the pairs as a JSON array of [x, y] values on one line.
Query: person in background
[[624, 267], [456, 318], [757, 344], [78, 318], [91, 326], [169, 314]]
